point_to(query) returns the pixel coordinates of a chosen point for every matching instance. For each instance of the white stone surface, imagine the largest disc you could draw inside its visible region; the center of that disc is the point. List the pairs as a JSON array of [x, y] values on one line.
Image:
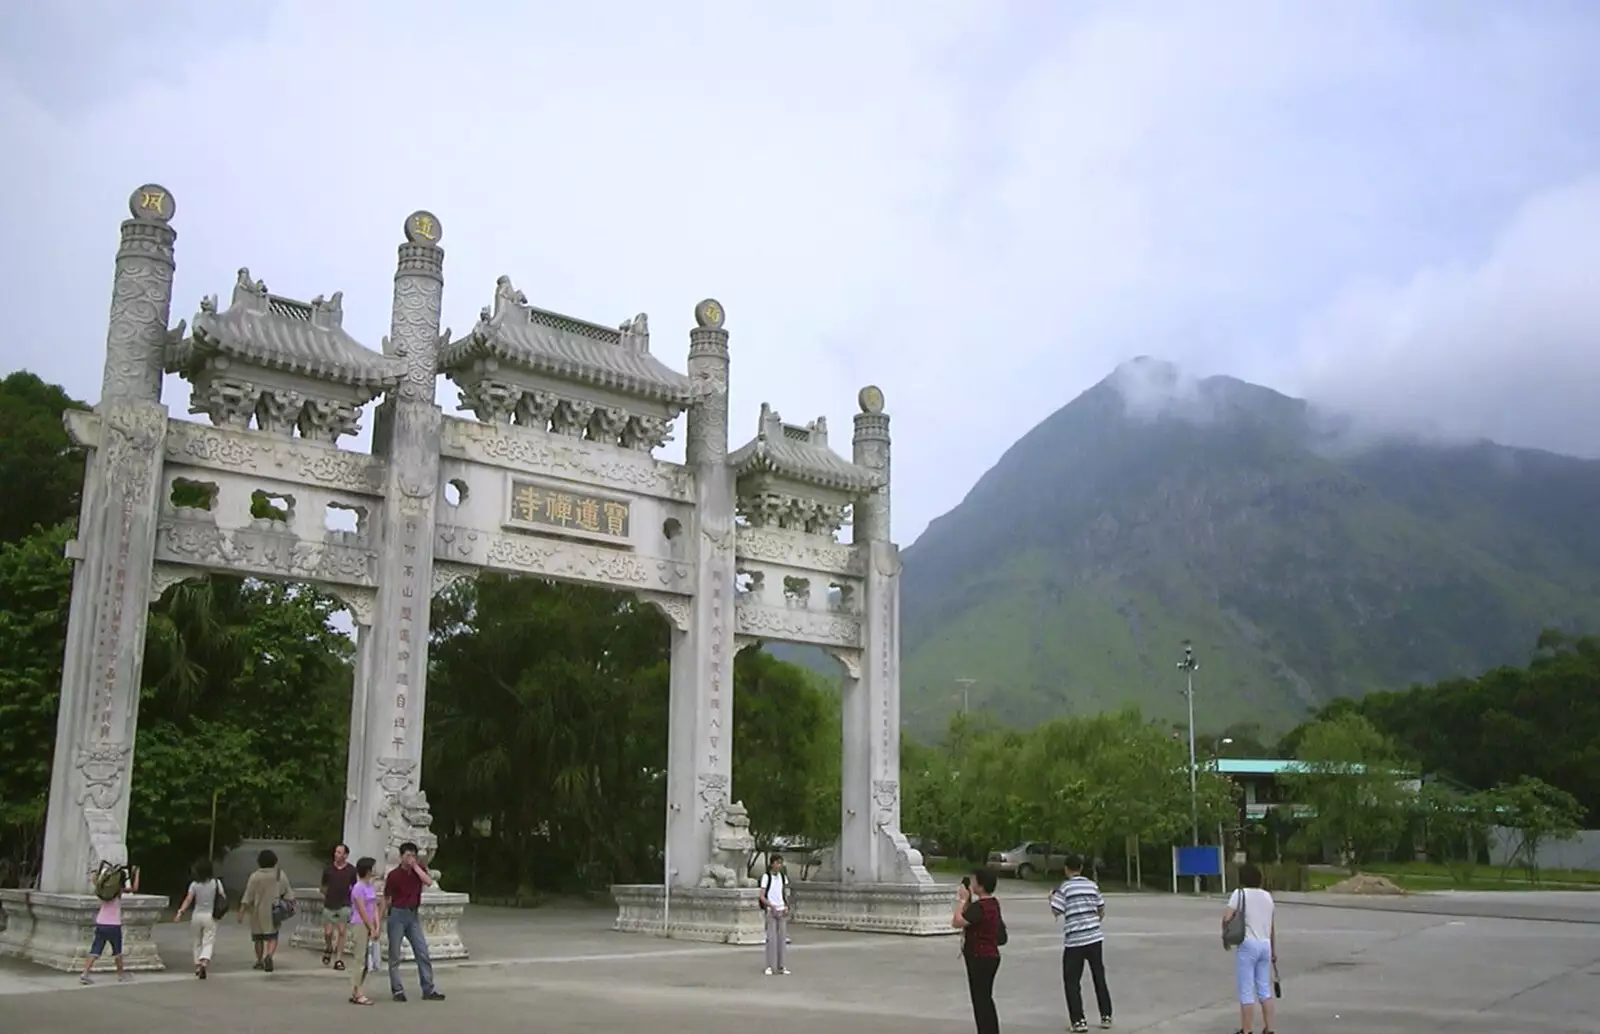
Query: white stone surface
[[724, 915], [441, 914], [913, 909], [56, 930]]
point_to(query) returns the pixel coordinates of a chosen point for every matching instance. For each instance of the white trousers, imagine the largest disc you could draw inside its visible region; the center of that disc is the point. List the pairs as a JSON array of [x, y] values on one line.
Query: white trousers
[[203, 929]]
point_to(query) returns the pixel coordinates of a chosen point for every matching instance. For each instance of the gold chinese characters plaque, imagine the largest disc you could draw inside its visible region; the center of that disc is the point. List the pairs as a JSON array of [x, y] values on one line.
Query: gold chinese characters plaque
[[533, 503]]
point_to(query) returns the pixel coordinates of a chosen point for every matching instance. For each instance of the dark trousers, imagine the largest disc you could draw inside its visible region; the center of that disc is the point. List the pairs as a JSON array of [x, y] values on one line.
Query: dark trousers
[[1072, 960], [980, 981]]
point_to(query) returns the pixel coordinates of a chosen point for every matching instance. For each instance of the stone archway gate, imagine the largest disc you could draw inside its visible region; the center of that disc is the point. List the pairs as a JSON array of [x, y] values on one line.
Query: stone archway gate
[[555, 478]]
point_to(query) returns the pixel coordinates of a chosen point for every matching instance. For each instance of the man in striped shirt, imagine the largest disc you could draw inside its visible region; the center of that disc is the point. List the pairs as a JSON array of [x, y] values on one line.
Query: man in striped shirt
[[1081, 908]]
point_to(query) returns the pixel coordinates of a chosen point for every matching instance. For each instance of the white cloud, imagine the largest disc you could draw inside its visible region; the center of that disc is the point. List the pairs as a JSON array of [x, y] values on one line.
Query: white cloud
[[981, 207], [1510, 341]]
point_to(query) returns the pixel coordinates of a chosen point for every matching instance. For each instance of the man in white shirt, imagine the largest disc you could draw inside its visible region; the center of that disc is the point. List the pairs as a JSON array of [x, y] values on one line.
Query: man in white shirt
[[775, 904]]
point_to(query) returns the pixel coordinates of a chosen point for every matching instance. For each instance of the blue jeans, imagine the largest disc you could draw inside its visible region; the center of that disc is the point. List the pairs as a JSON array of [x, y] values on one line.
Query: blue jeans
[[1253, 962], [403, 922]]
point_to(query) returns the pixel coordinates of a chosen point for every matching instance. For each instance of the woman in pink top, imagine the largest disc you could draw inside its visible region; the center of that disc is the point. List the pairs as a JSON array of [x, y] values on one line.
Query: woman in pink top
[[108, 921], [363, 927]]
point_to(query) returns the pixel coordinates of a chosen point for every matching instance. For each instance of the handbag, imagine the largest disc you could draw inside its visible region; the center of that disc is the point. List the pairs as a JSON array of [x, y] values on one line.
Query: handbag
[[1277, 988], [373, 956], [1233, 927], [219, 903]]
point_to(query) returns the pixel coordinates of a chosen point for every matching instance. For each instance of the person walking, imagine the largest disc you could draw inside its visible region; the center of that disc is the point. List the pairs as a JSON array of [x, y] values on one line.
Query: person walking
[[983, 929], [1257, 955], [205, 896], [775, 906], [402, 895], [267, 901], [337, 880], [110, 883], [363, 928], [1082, 909]]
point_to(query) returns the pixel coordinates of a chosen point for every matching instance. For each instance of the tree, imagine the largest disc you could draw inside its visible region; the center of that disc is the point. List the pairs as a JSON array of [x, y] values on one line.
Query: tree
[[1351, 778], [1539, 813], [40, 467], [1455, 826], [35, 596]]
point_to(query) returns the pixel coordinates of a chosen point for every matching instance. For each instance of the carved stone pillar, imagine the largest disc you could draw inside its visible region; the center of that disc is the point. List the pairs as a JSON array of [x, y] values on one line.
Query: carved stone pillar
[[395, 652], [870, 766], [114, 550], [700, 751], [98, 716]]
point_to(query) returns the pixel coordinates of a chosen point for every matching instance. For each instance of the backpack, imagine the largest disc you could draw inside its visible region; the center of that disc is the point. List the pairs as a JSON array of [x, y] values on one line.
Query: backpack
[[108, 882], [1233, 929], [1000, 934], [219, 904]]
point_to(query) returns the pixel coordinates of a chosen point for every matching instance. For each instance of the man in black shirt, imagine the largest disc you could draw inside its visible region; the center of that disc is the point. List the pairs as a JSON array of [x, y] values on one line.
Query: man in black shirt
[[337, 879]]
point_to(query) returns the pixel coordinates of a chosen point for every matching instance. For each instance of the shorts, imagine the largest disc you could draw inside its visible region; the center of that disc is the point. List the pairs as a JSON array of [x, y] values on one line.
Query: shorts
[[106, 936], [331, 916], [262, 938]]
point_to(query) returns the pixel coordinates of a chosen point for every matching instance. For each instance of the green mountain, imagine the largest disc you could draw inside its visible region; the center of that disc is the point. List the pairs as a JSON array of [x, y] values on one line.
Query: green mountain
[[1304, 563]]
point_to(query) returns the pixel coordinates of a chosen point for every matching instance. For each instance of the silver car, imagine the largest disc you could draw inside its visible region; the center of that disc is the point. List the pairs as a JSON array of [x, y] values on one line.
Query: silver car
[[1028, 858]]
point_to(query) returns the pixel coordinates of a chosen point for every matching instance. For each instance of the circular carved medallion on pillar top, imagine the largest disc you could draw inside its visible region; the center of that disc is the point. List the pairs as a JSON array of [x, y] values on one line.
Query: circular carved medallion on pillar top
[[870, 399], [422, 227], [709, 313], [152, 203]]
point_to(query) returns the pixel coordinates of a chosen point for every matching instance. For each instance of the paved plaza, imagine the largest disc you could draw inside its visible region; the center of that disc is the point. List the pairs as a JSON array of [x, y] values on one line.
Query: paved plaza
[[1423, 963]]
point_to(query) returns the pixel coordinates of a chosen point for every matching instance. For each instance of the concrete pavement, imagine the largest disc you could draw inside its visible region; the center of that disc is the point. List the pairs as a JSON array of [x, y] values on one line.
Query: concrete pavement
[[1345, 968]]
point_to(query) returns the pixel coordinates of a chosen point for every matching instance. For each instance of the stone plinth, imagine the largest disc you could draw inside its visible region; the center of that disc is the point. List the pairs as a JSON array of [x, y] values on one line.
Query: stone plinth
[[56, 930], [441, 924], [725, 915], [916, 909]]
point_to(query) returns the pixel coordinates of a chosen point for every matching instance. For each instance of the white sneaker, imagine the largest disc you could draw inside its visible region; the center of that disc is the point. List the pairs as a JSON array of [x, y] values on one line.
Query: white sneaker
[[785, 972], [84, 978], [769, 971]]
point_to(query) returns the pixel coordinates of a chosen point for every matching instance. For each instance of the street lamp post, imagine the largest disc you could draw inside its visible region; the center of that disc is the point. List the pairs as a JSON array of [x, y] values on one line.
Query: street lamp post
[[966, 690], [1189, 666]]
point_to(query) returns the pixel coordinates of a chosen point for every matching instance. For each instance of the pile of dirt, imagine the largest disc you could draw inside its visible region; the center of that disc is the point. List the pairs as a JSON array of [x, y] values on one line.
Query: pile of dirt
[[1365, 883]]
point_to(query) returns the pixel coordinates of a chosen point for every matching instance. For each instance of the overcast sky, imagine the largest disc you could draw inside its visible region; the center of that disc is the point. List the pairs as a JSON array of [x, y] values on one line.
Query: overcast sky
[[981, 206]]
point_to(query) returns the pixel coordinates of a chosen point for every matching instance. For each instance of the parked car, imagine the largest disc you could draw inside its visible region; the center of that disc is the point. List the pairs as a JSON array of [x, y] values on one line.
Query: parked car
[[1028, 858]]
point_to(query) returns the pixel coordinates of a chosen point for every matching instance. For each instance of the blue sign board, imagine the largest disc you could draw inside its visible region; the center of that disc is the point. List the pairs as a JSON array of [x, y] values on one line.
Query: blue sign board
[[1198, 861]]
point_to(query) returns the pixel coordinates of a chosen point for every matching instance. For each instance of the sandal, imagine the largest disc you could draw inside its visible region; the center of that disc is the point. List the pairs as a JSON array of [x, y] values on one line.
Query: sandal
[[338, 964], [327, 957], [360, 1000]]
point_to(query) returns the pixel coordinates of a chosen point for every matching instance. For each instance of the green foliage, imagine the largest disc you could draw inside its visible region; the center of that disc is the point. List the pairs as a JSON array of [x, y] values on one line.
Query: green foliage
[[1539, 813], [1542, 721], [35, 589], [1088, 783], [40, 467], [1351, 778], [1066, 578], [787, 751], [546, 750], [1456, 825]]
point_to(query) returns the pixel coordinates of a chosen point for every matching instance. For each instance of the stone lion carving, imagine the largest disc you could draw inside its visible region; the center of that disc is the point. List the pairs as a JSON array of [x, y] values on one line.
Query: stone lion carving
[[731, 845], [409, 819]]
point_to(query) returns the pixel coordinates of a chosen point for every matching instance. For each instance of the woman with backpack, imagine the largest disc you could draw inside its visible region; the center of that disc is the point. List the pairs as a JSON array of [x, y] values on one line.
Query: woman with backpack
[[268, 900], [210, 903], [983, 934]]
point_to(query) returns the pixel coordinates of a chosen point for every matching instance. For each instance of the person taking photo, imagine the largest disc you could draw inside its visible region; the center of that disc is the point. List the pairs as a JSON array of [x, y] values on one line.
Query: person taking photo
[[983, 931]]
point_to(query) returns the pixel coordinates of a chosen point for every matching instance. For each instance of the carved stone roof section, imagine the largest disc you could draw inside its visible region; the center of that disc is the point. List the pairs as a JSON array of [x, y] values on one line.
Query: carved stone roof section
[[267, 330], [799, 454], [562, 347]]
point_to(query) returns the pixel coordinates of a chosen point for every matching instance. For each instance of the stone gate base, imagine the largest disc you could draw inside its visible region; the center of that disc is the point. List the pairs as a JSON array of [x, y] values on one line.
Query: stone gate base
[[916, 909], [56, 930], [441, 913], [725, 915]]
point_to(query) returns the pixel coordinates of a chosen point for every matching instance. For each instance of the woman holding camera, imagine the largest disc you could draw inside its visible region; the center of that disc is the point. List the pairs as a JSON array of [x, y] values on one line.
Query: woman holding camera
[[977, 916]]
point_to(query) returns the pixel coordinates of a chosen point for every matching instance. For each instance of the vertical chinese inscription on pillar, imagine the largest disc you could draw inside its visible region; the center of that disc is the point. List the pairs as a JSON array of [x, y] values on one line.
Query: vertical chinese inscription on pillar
[[886, 671], [717, 646], [411, 624]]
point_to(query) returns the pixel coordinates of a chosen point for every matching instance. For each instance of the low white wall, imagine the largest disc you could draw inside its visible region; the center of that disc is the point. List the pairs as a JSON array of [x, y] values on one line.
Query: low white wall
[[1582, 853], [295, 858]]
